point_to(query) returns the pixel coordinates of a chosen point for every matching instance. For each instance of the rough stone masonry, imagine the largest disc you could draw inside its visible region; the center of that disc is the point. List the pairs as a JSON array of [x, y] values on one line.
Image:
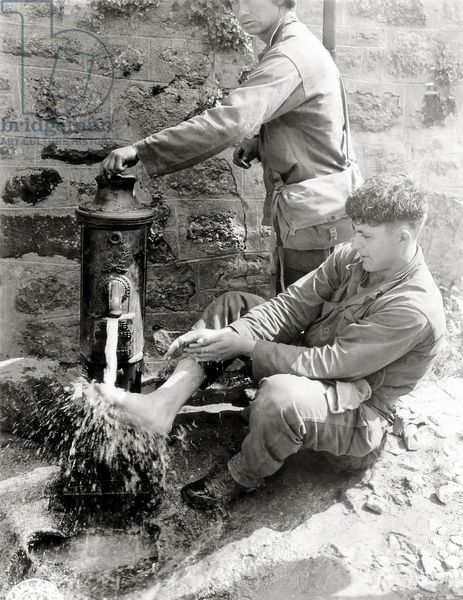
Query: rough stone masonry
[[156, 63]]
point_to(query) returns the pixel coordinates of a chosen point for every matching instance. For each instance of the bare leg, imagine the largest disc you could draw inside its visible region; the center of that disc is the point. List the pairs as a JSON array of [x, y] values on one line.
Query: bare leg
[[157, 410]]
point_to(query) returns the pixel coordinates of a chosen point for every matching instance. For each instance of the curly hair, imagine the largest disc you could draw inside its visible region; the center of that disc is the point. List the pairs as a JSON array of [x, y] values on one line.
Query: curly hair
[[387, 199]]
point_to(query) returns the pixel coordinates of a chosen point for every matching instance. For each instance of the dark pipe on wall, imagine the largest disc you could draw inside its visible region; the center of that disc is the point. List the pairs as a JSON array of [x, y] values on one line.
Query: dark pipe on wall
[[329, 27]]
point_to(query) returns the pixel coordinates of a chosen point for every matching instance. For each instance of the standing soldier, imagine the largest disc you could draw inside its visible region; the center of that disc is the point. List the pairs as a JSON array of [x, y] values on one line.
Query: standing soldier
[[291, 115]]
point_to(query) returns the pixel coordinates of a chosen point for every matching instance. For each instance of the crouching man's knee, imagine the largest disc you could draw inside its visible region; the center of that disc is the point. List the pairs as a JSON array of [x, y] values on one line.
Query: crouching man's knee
[[288, 402]]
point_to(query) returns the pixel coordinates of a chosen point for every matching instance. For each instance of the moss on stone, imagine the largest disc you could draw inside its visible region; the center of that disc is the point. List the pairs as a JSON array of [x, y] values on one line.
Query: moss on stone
[[218, 229], [449, 67], [124, 7], [65, 48], [223, 30], [413, 55], [436, 108], [372, 112], [42, 295], [31, 187], [211, 179]]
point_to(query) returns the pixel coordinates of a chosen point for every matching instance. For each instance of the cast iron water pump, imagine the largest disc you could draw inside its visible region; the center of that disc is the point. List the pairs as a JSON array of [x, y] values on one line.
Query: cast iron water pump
[[114, 234]]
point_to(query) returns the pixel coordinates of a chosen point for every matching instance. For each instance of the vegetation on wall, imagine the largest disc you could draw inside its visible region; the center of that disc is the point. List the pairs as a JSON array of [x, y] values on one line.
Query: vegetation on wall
[[223, 30], [439, 101], [124, 7], [449, 67]]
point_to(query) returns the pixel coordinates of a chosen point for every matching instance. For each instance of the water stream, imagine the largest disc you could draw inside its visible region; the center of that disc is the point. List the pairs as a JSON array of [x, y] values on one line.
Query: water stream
[[110, 372]]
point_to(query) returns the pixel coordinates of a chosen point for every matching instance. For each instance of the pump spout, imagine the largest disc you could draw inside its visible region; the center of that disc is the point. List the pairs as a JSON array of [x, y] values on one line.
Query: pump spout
[[117, 289]]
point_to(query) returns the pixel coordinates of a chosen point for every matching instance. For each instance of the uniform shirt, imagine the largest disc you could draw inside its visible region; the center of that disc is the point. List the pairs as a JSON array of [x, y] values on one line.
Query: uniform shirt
[[293, 96], [387, 334]]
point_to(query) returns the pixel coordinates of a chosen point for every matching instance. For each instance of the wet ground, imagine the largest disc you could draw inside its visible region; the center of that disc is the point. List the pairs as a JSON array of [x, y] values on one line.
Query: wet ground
[[307, 535]]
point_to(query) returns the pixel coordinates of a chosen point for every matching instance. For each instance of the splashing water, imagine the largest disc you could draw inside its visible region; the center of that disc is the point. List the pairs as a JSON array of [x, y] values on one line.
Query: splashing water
[[98, 454], [112, 326]]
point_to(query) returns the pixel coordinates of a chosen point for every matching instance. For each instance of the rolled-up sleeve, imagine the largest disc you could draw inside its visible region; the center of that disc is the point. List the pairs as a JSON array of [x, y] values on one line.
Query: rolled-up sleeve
[[361, 349], [205, 135]]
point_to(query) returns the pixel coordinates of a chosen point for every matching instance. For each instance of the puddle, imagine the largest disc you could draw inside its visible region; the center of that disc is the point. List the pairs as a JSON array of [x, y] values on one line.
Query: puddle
[[99, 550], [100, 562]]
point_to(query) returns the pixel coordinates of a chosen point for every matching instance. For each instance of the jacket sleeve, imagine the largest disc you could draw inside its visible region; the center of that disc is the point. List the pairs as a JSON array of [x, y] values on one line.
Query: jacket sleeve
[[362, 348], [282, 318], [205, 135]]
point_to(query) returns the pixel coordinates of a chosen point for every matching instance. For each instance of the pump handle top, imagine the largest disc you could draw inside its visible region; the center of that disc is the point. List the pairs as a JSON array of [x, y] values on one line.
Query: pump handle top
[[116, 181]]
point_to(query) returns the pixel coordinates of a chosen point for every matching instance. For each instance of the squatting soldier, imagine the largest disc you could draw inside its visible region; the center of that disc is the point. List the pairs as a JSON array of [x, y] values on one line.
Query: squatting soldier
[[332, 354]]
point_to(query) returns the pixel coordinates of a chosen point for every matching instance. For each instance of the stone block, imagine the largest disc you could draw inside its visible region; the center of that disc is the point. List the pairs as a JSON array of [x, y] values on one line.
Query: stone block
[[412, 55], [20, 382], [245, 272], [41, 50], [453, 13], [92, 154], [122, 57], [375, 110], [373, 62], [349, 60], [436, 108], [5, 84], [210, 228], [29, 186], [46, 235], [449, 64], [395, 12], [187, 59], [178, 322], [442, 238], [50, 289], [311, 13], [374, 36], [384, 153], [72, 104], [35, 288], [170, 287], [213, 178], [143, 109], [158, 22], [57, 339]]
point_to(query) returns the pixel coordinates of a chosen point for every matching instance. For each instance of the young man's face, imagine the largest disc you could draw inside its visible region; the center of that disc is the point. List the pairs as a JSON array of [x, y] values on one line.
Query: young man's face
[[379, 247], [256, 17]]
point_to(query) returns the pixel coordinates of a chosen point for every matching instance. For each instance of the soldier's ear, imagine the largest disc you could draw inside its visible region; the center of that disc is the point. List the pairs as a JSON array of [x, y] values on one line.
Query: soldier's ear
[[406, 234]]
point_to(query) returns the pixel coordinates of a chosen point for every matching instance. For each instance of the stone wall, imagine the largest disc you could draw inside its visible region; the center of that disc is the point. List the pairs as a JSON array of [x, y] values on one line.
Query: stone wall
[[136, 66]]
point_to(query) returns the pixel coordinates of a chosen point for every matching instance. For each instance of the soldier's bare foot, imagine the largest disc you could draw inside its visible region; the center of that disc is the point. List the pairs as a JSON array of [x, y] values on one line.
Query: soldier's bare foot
[[152, 411]]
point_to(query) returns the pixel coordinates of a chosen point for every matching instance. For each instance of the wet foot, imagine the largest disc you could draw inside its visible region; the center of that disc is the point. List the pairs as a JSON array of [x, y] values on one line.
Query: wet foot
[[152, 411]]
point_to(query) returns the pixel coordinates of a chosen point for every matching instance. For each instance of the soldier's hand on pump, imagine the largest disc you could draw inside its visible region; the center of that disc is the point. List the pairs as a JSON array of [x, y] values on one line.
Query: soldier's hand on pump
[[118, 161]]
